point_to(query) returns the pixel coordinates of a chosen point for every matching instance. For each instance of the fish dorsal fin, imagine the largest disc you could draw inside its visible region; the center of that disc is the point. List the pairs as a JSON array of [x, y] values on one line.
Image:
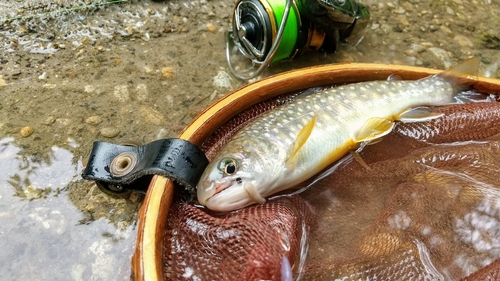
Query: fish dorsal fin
[[462, 75], [419, 114], [300, 140], [374, 128]]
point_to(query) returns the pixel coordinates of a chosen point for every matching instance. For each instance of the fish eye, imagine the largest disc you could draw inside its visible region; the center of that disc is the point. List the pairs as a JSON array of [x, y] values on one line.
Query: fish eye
[[227, 166]]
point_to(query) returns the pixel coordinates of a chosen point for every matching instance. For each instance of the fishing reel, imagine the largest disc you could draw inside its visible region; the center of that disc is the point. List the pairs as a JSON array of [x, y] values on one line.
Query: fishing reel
[[267, 31]]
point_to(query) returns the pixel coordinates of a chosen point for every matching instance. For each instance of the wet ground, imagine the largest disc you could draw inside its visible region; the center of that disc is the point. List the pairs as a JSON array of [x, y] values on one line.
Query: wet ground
[[73, 72]]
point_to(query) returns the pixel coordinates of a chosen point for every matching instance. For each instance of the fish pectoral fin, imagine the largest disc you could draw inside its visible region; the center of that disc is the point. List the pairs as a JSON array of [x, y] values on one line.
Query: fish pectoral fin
[[374, 128], [253, 193], [419, 114], [360, 160], [300, 140]]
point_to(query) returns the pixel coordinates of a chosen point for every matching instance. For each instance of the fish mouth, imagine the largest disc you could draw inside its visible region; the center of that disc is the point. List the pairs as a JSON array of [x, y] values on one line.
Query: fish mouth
[[229, 199], [207, 190]]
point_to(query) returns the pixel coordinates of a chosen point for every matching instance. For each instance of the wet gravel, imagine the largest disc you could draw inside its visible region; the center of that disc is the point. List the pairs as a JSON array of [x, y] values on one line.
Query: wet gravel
[[73, 72]]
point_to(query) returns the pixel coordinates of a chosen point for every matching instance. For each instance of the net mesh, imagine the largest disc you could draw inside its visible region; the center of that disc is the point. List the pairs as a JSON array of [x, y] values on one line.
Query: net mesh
[[427, 207]]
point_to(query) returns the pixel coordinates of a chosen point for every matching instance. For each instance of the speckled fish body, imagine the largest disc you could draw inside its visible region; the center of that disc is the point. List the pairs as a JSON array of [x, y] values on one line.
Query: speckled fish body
[[291, 143]]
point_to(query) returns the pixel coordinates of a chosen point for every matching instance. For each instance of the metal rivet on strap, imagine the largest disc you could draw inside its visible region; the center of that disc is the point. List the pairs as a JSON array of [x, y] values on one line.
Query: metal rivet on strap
[[123, 164]]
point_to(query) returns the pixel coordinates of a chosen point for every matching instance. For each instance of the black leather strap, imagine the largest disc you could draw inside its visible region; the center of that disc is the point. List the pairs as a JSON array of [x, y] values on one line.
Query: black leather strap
[[176, 159]]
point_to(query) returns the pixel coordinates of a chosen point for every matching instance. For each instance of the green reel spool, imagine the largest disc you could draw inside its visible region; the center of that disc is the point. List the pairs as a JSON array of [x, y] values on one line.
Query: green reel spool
[[267, 31], [291, 28], [258, 30]]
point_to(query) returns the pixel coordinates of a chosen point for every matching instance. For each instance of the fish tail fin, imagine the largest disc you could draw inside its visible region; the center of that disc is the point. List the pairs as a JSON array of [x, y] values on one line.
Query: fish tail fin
[[462, 75]]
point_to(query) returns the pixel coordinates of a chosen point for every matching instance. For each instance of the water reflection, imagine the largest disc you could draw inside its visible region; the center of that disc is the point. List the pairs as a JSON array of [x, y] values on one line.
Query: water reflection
[[45, 239]]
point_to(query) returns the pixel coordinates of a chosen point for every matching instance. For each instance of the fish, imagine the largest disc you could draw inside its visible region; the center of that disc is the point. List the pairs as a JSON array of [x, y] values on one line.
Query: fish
[[293, 142]]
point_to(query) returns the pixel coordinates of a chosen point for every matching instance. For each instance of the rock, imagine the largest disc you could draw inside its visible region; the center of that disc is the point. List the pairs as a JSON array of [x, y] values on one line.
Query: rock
[[433, 27], [445, 29], [417, 48], [110, 132], [2, 82], [89, 89], [168, 72], [399, 10], [26, 131], [222, 80], [152, 116], [93, 120], [49, 120], [142, 92], [211, 28], [121, 93], [463, 41], [43, 76], [442, 56], [63, 121], [404, 21]]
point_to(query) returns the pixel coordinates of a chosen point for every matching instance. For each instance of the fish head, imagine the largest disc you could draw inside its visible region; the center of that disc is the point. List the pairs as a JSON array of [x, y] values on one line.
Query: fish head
[[240, 175]]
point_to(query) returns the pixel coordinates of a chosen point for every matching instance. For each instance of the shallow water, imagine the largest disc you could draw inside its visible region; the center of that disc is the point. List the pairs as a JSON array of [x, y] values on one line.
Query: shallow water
[[146, 69]]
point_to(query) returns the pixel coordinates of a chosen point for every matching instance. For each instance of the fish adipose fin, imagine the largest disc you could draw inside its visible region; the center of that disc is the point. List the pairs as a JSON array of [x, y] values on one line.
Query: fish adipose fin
[[301, 139], [462, 75], [419, 114], [374, 128]]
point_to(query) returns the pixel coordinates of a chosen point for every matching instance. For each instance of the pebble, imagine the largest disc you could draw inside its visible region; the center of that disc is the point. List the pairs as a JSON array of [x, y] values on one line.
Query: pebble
[[168, 72], [2, 82], [445, 29], [433, 27], [49, 120], [90, 208], [142, 92], [109, 132], [442, 56], [43, 76], [89, 89], [399, 10], [94, 120], [387, 29], [121, 93], [26, 131], [463, 41], [211, 27], [63, 121], [152, 116], [404, 20], [222, 80], [417, 48]]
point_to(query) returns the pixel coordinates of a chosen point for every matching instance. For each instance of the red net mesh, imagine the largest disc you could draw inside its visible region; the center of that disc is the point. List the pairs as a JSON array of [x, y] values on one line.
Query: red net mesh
[[427, 208]]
